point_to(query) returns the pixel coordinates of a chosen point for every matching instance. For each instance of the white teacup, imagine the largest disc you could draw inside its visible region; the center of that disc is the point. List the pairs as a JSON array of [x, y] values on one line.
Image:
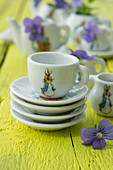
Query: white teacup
[[102, 42], [53, 74], [74, 21]]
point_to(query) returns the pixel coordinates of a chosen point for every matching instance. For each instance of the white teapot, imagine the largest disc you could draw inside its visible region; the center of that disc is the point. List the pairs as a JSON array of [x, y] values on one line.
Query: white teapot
[[51, 31]]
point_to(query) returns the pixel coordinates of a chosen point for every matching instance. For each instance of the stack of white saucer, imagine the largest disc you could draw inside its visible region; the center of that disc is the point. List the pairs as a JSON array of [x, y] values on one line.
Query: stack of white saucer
[[28, 108]]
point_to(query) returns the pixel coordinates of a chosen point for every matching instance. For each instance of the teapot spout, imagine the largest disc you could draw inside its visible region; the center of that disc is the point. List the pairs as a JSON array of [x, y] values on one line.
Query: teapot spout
[[15, 30], [6, 36]]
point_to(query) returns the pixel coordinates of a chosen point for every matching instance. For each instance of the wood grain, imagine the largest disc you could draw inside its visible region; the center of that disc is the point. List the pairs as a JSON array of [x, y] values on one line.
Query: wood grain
[[23, 148], [8, 9]]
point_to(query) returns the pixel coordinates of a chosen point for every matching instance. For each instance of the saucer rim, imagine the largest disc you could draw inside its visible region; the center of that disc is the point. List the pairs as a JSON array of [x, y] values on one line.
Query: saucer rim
[[47, 118], [45, 102], [101, 54], [47, 109], [45, 126]]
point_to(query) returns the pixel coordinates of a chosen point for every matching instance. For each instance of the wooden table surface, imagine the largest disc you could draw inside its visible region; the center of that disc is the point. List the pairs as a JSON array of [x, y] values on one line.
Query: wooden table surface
[[23, 148]]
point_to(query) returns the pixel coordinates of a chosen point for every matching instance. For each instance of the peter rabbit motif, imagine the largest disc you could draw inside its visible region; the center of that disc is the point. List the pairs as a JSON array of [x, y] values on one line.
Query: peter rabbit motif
[[48, 88], [105, 99], [76, 38]]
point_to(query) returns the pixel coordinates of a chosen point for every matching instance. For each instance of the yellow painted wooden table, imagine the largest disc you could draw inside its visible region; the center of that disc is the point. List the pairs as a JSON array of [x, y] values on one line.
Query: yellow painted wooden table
[[23, 148]]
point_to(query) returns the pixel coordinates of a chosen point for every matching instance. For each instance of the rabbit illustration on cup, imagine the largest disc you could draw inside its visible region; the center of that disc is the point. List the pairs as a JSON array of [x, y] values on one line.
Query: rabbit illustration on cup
[[105, 99], [48, 88]]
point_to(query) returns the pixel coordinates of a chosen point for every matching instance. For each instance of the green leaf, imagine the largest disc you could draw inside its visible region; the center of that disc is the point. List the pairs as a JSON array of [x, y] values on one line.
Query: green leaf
[[90, 1], [84, 9], [52, 5], [95, 126], [78, 57]]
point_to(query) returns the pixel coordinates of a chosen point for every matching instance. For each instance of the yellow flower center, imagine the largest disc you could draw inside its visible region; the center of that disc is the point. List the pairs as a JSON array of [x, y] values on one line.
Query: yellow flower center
[[99, 135], [34, 30]]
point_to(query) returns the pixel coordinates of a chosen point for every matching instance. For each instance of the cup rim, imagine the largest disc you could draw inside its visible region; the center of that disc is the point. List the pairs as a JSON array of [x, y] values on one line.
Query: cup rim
[[104, 81], [75, 59]]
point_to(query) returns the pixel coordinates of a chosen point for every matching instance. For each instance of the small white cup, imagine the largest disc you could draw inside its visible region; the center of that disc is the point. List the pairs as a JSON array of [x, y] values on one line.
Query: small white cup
[[102, 42], [53, 74]]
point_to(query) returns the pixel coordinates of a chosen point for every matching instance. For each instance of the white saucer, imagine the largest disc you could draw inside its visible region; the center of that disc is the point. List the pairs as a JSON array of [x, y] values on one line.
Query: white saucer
[[48, 110], [29, 113], [44, 126], [101, 54], [22, 88]]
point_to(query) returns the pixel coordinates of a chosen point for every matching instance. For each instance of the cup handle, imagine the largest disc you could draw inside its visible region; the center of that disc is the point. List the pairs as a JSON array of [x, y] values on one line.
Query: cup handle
[[85, 76], [110, 34], [102, 64], [64, 33], [92, 80], [105, 21]]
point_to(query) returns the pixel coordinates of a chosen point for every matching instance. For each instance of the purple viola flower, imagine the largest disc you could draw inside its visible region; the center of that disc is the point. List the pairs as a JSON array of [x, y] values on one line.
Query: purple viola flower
[[76, 3], [82, 54], [36, 2], [90, 31], [96, 137], [61, 4], [34, 28]]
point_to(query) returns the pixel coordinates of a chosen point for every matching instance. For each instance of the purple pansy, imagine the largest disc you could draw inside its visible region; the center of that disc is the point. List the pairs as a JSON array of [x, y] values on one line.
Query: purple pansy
[[82, 54], [96, 137], [34, 28], [76, 3], [90, 31], [36, 2], [61, 4]]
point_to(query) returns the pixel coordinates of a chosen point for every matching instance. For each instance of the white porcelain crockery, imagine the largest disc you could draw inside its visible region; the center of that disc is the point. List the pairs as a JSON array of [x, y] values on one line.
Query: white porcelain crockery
[[53, 74], [42, 118], [95, 67], [91, 65], [6, 36], [102, 42], [48, 110], [103, 54], [74, 21], [59, 15], [52, 34], [101, 95], [44, 126], [23, 89]]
